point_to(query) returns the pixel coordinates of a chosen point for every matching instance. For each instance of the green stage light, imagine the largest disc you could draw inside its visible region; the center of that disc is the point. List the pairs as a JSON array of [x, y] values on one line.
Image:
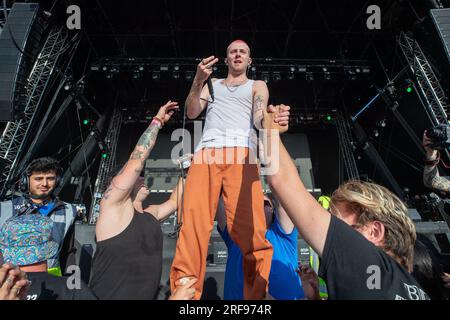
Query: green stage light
[[85, 122], [409, 89]]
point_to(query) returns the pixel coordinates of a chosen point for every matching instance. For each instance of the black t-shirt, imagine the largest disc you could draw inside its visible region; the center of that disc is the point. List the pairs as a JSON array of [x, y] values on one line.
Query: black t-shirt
[[45, 286], [129, 265], [354, 268]]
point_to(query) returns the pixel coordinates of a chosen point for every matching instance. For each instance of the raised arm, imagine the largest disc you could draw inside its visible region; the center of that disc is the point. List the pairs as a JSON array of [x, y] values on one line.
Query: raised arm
[[311, 220], [122, 184], [431, 177], [283, 219], [164, 210], [199, 95]]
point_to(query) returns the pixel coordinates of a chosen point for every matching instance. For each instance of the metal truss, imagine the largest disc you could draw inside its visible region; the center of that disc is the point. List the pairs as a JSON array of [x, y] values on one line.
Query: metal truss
[[430, 89], [16, 133], [345, 144], [106, 164]]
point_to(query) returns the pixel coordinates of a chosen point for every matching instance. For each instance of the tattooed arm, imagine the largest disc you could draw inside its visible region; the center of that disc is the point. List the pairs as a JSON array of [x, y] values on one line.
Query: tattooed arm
[[123, 183], [260, 99], [431, 177]]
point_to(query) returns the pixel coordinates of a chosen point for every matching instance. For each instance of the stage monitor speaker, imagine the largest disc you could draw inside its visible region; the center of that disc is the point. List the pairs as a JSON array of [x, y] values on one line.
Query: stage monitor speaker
[[441, 19], [23, 30]]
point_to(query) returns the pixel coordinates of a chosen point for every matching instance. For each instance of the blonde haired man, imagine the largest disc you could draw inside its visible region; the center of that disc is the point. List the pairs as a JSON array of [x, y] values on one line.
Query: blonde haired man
[[366, 244]]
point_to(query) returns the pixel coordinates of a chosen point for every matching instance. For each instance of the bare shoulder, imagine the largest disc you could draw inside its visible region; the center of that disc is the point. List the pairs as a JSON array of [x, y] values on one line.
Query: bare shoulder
[[214, 79], [259, 86]]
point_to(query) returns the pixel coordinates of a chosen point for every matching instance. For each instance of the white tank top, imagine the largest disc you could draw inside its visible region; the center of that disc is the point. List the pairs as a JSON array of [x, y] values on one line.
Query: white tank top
[[229, 119]]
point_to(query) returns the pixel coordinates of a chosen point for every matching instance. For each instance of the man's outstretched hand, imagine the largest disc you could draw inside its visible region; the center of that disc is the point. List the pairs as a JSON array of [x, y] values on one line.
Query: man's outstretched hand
[[166, 111], [276, 117]]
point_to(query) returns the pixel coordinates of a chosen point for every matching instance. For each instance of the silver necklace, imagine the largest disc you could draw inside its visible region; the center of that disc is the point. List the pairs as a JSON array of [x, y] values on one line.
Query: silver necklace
[[234, 86]]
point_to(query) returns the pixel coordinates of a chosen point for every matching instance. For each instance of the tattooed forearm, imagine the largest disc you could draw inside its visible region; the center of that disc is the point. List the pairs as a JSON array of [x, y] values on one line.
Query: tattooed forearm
[[258, 102], [258, 105], [145, 145], [432, 180], [148, 138]]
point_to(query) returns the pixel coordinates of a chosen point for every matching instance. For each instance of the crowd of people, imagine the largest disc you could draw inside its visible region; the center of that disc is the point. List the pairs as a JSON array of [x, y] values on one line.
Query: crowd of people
[[366, 241]]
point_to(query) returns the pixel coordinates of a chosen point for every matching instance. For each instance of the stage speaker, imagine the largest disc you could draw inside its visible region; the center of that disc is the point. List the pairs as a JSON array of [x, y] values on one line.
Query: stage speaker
[[441, 19], [85, 248], [23, 30]]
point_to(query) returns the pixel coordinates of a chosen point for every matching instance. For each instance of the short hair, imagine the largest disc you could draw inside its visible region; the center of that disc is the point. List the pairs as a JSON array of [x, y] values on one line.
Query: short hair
[[372, 202], [44, 164], [239, 40]]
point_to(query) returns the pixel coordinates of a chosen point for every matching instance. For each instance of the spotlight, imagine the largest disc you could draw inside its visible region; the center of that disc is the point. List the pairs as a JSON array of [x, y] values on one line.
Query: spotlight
[[141, 68], [164, 67], [376, 133], [104, 68], [409, 87], [156, 75], [67, 86], [292, 68], [276, 76], [302, 69], [358, 70], [383, 123], [189, 75], [176, 68], [324, 69]]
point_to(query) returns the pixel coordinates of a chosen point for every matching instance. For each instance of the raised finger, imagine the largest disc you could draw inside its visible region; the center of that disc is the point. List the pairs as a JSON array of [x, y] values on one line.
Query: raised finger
[[209, 65], [207, 60]]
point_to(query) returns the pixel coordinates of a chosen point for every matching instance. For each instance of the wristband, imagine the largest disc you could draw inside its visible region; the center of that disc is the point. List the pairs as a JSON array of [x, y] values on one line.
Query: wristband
[[157, 120]]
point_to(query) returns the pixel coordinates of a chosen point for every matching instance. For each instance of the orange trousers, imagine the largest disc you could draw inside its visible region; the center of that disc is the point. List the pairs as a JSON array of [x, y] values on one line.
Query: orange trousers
[[241, 189]]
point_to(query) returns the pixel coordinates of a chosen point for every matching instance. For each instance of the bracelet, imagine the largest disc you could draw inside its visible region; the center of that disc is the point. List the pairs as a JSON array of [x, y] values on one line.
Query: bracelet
[[156, 119]]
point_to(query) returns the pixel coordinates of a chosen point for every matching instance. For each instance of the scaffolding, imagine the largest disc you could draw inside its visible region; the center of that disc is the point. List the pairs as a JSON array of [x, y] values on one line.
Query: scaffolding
[[16, 133], [431, 92], [346, 146], [106, 163]]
